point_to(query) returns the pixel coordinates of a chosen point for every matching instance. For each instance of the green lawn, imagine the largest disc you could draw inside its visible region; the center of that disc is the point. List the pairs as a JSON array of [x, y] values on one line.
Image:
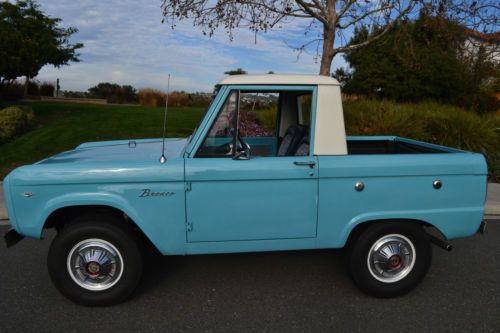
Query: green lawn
[[64, 126]]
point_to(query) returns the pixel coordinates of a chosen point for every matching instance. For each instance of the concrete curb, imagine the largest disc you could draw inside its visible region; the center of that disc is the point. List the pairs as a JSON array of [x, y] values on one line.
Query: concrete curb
[[492, 210], [492, 206]]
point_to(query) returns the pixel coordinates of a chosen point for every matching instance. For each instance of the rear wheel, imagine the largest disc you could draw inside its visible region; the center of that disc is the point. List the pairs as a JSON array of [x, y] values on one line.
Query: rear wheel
[[95, 260], [390, 259]]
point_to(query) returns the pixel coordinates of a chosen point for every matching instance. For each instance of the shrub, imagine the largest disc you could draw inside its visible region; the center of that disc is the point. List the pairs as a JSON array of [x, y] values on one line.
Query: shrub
[[114, 93], [154, 97], [33, 88], [177, 98], [428, 121], [268, 117], [75, 94], [47, 89], [199, 99], [13, 91], [151, 97], [494, 156], [15, 121], [383, 118], [484, 102], [455, 127]]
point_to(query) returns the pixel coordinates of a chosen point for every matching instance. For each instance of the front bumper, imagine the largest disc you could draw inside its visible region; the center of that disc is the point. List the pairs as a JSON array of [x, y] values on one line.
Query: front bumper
[[12, 238]]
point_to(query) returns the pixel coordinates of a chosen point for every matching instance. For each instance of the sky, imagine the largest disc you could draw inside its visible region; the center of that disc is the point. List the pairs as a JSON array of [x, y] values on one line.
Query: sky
[[126, 43]]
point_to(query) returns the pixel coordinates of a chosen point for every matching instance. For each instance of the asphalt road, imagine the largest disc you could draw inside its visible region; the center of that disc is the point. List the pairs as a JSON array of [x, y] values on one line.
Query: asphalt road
[[306, 291]]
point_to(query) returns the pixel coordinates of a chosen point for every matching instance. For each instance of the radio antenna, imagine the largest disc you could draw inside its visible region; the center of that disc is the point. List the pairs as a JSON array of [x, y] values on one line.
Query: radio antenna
[[163, 159]]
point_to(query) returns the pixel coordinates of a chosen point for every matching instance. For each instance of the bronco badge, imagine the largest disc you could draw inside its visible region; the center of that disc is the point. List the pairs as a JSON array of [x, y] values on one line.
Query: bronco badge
[[148, 193]]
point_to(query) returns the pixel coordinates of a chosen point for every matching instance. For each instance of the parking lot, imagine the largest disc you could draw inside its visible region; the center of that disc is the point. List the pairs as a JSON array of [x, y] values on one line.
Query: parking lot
[[306, 291]]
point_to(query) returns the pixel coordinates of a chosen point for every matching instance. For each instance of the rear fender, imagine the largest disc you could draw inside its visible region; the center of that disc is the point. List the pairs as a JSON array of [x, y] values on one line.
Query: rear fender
[[451, 223]]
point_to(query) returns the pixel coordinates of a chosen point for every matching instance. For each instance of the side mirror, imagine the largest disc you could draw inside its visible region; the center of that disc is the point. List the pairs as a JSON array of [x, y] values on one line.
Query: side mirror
[[243, 154]]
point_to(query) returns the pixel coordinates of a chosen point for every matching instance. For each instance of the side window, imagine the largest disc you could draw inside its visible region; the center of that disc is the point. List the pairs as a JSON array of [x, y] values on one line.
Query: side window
[[219, 141], [258, 119], [258, 115]]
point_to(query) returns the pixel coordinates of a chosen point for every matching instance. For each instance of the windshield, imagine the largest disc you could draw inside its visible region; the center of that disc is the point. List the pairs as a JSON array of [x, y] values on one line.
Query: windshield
[[214, 94]]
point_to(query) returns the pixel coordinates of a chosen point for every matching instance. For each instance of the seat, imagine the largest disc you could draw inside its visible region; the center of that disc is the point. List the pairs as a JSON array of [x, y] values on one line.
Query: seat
[[291, 140], [303, 148]]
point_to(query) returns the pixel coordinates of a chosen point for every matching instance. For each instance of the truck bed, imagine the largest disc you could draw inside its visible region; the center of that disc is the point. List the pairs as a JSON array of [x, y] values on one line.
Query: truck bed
[[391, 145]]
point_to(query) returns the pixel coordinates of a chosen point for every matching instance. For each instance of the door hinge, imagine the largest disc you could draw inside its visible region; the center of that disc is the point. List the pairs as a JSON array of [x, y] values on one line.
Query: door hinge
[[189, 227], [187, 187]]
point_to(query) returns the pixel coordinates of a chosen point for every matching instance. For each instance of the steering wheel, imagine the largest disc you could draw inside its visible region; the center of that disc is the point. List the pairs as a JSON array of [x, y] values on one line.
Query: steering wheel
[[224, 149], [227, 148]]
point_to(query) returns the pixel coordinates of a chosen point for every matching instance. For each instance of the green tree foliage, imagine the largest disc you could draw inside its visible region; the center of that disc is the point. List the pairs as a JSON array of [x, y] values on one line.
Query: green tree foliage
[[418, 60], [114, 93], [237, 71], [29, 40]]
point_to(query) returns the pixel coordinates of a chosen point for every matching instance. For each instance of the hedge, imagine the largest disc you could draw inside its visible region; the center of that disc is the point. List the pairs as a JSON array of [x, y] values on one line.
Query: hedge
[[428, 121]]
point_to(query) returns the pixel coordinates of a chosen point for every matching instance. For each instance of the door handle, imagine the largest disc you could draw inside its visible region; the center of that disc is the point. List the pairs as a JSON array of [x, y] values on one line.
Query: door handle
[[310, 164]]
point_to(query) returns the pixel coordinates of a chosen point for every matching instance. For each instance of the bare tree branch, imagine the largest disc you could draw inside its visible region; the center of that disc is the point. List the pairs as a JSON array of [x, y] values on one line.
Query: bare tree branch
[[379, 35], [307, 9], [364, 16], [320, 6], [345, 8]]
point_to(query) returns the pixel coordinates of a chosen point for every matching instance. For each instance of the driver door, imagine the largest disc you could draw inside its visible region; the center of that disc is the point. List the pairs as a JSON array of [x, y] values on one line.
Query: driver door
[[234, 195]]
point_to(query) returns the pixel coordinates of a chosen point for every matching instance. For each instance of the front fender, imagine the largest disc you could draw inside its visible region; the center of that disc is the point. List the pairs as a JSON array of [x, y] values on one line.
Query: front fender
[[79, 199], [89, 199], [161, 218]]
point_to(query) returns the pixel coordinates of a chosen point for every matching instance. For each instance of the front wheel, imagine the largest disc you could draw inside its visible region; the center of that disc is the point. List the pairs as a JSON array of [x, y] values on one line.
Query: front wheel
[[390, 259], [95, 261]]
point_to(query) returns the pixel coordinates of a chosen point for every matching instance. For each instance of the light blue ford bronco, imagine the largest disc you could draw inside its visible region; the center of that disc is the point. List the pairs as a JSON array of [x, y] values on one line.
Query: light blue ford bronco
[[269, 168]]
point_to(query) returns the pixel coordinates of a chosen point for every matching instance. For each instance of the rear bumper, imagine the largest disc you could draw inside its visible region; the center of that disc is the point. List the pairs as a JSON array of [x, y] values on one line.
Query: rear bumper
[[482, 227], [12, 238]]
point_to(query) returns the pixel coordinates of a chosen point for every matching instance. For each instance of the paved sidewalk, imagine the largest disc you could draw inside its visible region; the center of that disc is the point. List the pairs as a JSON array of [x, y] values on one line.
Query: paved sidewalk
[[492, 204]]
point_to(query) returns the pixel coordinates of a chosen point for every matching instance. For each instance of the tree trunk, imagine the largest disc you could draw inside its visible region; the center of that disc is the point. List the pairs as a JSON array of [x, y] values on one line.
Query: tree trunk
[[328, 53], [26, 84]]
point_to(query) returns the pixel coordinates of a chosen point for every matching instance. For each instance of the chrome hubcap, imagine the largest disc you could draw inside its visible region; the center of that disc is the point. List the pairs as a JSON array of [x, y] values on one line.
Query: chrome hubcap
[[391, 258], [95, 264]]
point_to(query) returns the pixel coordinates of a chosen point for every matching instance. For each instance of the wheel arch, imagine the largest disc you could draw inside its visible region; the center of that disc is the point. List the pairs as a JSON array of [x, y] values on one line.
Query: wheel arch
[[62, 216], [59, 217], [450, 223], [358, 229]]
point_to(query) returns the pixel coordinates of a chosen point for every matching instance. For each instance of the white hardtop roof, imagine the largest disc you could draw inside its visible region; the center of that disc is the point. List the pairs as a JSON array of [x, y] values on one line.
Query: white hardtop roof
[[284, 79]]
